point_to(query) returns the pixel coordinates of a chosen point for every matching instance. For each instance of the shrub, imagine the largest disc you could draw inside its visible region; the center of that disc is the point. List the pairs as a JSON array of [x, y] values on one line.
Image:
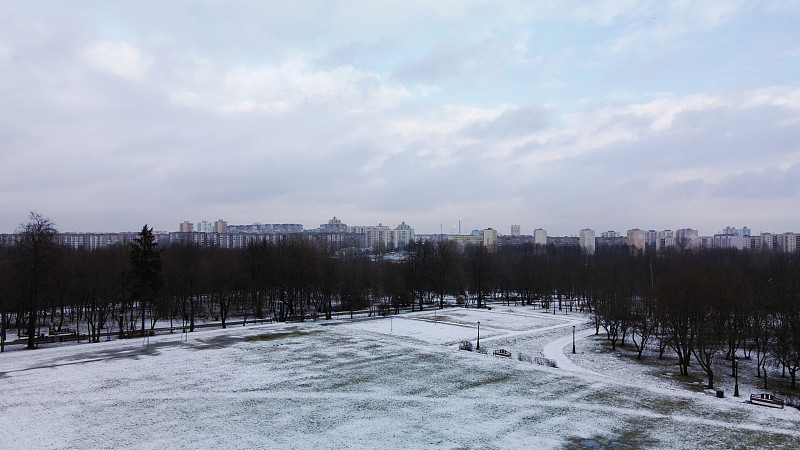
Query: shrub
[[465, 345]]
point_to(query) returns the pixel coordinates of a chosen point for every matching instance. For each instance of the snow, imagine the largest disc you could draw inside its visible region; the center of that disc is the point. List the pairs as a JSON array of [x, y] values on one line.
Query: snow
[[395, 382]]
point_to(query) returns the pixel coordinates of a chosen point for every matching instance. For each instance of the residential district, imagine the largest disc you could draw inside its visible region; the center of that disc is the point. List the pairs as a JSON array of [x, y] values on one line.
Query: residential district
[[381, 237]]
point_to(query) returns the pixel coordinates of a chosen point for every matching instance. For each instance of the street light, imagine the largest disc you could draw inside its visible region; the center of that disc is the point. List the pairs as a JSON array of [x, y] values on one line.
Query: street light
[[736, 376], [479, 336], [573, 339]]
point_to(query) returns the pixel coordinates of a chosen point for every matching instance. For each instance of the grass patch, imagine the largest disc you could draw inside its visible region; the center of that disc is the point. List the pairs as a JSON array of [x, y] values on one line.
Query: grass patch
[[671, 406], [215, 342], [631, 439], [274, 336]]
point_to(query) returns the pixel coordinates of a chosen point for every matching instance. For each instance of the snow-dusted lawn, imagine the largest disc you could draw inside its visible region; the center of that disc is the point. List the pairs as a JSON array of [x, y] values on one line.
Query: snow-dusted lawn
[[382, 383]]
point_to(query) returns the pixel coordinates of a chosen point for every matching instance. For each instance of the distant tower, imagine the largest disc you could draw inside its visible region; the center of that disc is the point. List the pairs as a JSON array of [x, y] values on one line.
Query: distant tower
[[637, 238], [515, 230], [205, 226], [587, 240], [489, 238], [540, 236], [186, 227], [220, 226]]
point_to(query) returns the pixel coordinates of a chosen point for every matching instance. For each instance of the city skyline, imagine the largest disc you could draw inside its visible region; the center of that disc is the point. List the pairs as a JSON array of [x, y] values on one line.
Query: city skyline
[[526, 229], [561, 116], [220, 225]]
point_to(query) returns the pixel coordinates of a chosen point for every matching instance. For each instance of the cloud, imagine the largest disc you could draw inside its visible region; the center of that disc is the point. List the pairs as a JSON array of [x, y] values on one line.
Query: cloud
[[768, 183], [513, 122], [120, 58], [460, 59], [357, 54], [285, 87], [283, 112]]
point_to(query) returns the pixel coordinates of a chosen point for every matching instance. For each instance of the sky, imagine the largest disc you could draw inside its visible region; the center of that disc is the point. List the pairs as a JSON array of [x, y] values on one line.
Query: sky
[[559, 115]]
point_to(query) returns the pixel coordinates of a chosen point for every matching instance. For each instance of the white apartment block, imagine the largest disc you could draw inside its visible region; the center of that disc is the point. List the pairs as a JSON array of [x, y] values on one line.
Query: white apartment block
[[586, 240], [665, 239], [205, 226], [539, 237], [687, 237], [382, 236]]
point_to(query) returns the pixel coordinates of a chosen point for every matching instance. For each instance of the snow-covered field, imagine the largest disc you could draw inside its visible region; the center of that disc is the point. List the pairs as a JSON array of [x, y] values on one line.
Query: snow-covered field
[[396, 382]]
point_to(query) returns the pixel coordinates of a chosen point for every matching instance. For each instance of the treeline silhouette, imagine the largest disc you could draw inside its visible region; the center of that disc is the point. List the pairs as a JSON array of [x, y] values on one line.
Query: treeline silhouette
[[699, 305]]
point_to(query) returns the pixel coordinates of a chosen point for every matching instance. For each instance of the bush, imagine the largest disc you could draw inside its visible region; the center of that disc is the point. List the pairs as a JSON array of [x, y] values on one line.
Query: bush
[[465, 345], [483, 351]]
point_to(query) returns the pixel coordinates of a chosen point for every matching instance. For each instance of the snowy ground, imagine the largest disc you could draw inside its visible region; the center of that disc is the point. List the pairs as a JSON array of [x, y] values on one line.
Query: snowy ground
[[377, 383]]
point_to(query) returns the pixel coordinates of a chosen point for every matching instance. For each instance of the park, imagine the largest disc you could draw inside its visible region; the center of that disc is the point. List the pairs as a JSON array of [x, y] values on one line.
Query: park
[[387, 382]]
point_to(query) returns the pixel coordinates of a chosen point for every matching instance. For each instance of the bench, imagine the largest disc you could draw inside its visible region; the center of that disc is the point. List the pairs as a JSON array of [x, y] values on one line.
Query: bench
[[502, 352], [766, 400]]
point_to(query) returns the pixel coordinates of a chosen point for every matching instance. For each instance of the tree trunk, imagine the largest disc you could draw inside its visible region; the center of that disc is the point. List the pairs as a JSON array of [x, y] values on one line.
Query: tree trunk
[[32, 329]]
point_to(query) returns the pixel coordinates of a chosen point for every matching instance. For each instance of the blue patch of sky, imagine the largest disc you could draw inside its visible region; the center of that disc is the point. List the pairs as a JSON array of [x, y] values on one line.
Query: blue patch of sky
[[570, 62]]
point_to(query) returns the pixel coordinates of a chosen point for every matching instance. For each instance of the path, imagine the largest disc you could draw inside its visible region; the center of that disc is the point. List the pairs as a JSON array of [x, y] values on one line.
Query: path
[[555, 350]]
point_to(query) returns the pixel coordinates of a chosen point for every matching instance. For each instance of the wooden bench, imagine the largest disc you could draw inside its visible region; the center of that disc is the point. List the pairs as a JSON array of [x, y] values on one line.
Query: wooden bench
[[502, 352]]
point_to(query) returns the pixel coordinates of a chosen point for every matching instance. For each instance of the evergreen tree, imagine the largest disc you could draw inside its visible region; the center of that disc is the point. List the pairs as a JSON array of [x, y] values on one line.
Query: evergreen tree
[[146, 274]]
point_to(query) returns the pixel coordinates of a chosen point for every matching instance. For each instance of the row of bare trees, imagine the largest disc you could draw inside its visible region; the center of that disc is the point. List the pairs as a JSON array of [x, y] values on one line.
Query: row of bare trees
[[703, 306], [128, 289], [699, 305]]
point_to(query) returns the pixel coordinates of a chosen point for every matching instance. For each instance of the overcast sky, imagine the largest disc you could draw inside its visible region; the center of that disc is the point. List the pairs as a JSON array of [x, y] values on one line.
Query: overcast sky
[[559, 115]]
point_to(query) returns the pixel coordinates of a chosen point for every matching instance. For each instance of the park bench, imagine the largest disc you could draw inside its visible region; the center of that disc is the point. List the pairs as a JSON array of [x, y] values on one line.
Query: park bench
[[502, 352], [766, 400]]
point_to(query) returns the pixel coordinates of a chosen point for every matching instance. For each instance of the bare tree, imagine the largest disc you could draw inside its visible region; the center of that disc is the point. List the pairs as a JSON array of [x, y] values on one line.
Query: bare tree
[[37, 247]]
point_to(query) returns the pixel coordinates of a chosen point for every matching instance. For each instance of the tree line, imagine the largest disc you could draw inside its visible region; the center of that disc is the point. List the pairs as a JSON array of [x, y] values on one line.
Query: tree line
[[700, 305]]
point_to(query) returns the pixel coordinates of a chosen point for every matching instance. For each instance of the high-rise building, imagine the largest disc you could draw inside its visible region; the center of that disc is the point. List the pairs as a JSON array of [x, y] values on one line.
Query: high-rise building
[[665, 239], [205, 226], [564, 241], [733, 231], [637, 238], [610, 239], [687, 237], [587, 240], [186, 227], [489, 238], [729, 241], [539, 237], [401, 235], [382, 236], [220, 226], [650, 237], [333, 226], [515, 230]]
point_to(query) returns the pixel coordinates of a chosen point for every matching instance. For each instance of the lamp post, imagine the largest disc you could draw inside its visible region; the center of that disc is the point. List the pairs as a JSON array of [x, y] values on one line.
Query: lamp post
[[573, 339], [736, 376], [479, 336]]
